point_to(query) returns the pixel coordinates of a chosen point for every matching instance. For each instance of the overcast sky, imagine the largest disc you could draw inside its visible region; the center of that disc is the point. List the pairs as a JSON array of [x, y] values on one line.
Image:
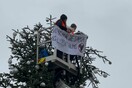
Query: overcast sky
[[106, 22]]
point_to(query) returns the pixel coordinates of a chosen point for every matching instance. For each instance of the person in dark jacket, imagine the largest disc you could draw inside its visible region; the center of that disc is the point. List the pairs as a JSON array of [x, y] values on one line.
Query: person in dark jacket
[[61, 23]]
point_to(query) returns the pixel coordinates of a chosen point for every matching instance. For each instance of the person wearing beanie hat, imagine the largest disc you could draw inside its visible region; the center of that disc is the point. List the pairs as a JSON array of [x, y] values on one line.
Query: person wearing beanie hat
[[63, 17], [61, 23]]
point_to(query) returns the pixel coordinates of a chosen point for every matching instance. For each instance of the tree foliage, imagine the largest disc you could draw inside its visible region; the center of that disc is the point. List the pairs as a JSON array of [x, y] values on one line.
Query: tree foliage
[[25, 73]]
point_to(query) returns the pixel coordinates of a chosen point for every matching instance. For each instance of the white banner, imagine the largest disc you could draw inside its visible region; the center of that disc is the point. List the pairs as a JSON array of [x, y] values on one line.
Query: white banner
[[70, 44]]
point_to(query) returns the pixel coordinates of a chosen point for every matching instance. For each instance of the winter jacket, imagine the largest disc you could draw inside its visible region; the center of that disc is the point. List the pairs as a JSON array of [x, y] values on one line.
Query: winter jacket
[[61, 24]]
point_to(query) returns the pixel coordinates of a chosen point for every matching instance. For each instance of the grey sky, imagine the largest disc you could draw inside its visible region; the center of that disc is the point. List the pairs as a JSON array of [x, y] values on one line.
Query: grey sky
[[107, 23]]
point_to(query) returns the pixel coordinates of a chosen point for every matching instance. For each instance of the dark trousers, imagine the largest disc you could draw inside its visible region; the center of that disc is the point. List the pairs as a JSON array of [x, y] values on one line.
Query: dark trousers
[[59, 54]]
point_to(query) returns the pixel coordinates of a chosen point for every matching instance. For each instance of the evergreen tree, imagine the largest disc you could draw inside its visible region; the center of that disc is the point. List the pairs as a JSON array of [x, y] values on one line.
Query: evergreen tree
[[25, 73]]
